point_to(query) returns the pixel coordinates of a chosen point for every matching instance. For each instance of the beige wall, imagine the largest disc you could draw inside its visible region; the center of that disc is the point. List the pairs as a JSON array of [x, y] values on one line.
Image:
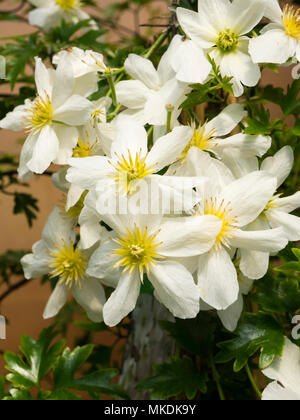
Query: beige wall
[[24, 308]]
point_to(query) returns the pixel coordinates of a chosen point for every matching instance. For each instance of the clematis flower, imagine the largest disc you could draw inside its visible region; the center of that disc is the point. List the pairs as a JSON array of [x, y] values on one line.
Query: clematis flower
[[285, 372], [50, 120], [85, 65], [280, 40], [149, 245], [50, 13], [130, 165], [220, 28], [275, 214], [57, 255], [207, 137], [151, 91], [236, 205]]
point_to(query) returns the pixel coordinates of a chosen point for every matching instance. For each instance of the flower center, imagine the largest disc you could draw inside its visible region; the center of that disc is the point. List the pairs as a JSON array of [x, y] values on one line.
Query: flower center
[[137, 249], [83, 149], [67, 4], [69, 264], [130, 170], [291, 21], [227, 41], [223, 212], [41, 114], [201, 139]]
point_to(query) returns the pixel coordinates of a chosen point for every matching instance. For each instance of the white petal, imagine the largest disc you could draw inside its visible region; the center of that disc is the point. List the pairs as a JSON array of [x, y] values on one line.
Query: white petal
[[64, 82], [140, 68], [289, 204], [26, 155], [56, 302], [231, 316], [289, 223], [280, 165], [275, 392], [68, 138], [42, 79], [217, 279], [190, 63], [168, 148], [36, 264], [188, 236], [273, 11], [246, 15], [86, 172], [201, 32], [227, 120], [45, 150], [274, 46], [123, 299], [131, 137], [239, 165], [286, 369], [91, 297], [15, 120], [175, 288], [272, 240], [247, 145], [58, 230], [132, 93], [75, 111], [249, 196]]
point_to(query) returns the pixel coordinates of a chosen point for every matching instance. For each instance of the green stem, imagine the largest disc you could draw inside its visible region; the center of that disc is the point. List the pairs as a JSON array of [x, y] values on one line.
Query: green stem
[[160, 40], [216, 377], [112, 89], [253, 383], [170, 110]]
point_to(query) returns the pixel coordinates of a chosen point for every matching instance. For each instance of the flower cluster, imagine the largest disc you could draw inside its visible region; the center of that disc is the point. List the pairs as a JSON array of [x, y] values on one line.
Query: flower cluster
[[191, 208]]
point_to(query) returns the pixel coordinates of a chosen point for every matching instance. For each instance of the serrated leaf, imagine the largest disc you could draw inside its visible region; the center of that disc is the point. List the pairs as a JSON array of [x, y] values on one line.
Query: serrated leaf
[[255, 332], [180, 376]]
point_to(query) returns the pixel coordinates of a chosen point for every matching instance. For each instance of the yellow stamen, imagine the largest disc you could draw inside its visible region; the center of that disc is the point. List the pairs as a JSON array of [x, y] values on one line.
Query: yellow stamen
[[41, 114], [202, 139], [291, 21], [68, 4], [227, 41], [83, 149], [223, 212], [271, 206], [137, 249], [130, 170], [69, 264]]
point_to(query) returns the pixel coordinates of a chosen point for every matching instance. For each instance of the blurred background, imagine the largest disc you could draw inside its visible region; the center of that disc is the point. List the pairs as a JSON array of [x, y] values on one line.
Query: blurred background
[[23, 309]]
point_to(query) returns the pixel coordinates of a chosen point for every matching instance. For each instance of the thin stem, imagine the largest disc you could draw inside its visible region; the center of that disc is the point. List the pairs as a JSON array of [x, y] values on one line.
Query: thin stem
[[253, 383], [112, 89], [13, 288], [160, 40], [170, 110], [216, 377]]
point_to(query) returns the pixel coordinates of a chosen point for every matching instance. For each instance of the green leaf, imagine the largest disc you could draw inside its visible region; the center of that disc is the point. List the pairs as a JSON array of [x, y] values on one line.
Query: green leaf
[[180, 376], [291, 102], [39, 359], [194, 335], [69, 363], [291, 266], [255, 332], [278, 295], [2, 387], [25, 203]]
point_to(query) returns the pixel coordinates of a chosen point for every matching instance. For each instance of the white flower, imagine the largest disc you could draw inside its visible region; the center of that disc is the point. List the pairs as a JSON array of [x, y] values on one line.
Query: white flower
[[57, 255], [86, 65], [50, 120], [207, 137], [220, 28], [149, 245], [50, 13], [276, 214], [130, 165], [150, 91], [285, 371], [280, 40], [236, 205]]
